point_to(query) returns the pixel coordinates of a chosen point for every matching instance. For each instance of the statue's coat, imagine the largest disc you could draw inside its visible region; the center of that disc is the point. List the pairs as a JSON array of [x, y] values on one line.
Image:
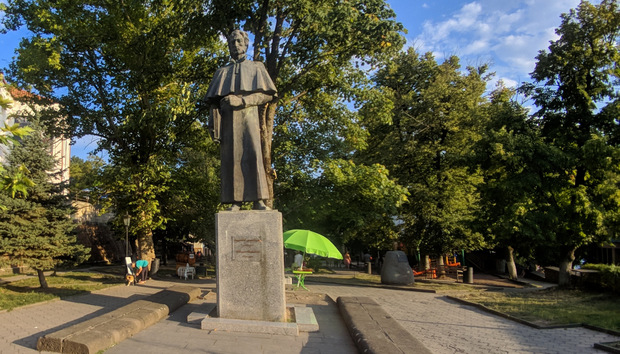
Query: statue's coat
[[238, 130]]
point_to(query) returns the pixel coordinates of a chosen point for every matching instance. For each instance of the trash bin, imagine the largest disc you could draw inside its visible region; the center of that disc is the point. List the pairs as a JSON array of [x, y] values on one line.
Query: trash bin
[[201, 271], [154, 267], [469, 275]]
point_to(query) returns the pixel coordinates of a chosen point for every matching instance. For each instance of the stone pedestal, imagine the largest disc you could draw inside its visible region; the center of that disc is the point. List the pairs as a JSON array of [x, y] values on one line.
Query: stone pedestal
[[250, 266]]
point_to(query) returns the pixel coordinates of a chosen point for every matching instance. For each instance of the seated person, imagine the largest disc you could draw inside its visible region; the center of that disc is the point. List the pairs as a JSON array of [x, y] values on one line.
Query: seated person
[[143, 270], [299, 261]]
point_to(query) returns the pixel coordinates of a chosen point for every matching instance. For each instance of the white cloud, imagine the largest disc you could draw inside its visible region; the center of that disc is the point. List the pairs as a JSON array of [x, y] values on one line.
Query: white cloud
[[509, 34], [468, 14], [465, 19], [509, 82], [476, 47]]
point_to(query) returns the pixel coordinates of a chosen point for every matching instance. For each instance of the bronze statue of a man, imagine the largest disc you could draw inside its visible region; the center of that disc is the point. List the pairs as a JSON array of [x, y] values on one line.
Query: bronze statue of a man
[[234, 96]]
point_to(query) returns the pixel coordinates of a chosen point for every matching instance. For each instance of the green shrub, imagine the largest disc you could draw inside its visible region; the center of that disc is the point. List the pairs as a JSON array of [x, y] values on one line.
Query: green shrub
[[314, 263], [610, 276]]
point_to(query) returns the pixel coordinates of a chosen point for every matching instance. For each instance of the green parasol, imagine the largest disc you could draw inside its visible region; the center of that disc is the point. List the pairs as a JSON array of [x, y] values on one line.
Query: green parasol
[[310, 242]]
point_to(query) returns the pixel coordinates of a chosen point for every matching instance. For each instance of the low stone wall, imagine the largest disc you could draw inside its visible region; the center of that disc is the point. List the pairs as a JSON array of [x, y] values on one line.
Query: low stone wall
[[104, 331], [582, 278], [14, 270], [373, 330]]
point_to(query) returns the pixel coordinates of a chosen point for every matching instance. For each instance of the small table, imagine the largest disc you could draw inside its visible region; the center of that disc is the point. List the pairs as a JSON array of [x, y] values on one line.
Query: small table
[[301, 275]]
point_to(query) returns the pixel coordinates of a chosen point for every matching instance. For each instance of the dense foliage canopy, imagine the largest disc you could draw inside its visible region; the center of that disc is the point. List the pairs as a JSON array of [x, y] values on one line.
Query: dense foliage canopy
[[365, 143]]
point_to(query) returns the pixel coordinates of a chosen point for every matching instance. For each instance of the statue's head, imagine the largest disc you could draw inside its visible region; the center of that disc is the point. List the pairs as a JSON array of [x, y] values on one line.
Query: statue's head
[[238, 42]]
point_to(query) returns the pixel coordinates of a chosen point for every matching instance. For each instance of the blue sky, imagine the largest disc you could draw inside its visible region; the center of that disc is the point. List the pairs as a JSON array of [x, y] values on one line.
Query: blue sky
[[505, 34]]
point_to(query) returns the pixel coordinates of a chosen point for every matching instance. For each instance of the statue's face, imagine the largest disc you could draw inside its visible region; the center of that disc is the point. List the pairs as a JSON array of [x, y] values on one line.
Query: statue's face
[[237, 46]]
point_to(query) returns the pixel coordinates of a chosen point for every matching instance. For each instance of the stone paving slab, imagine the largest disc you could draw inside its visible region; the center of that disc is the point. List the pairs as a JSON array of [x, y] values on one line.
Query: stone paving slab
[[305, 319]]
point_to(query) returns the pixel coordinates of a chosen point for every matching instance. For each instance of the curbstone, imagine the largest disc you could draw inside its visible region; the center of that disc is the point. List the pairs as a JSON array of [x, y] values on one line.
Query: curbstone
[[113, 327], [373, 330]]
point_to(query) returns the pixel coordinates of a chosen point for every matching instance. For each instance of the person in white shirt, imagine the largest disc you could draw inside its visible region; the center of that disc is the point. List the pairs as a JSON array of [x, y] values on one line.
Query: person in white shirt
[[299, 260]]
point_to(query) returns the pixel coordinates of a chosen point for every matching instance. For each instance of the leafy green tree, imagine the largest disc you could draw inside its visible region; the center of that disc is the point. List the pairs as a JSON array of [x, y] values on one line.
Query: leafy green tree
[[132, 81], [309, 49], [85, 174], [425, 137], [17, 182], [11, 134], [126, 72], [576, 89], [321, 184], [191, 209], [512, 157], [318, 55], [35, 229], [349, 203]]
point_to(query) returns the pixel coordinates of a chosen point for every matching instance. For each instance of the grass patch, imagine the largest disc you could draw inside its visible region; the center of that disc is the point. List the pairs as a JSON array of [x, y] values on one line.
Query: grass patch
[[27, 291], [9, 275], [368, 278], [356, 278], [554, 306], [438, 287]]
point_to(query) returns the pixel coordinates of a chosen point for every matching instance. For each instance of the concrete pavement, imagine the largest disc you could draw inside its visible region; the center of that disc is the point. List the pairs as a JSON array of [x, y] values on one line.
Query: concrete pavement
[[442, 325]]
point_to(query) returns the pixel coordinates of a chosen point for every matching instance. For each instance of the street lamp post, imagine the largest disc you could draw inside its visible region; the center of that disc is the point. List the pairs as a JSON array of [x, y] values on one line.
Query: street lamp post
[[126, 221]]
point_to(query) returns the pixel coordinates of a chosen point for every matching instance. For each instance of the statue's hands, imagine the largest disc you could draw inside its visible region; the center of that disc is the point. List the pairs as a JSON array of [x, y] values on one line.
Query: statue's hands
[[233, 101]]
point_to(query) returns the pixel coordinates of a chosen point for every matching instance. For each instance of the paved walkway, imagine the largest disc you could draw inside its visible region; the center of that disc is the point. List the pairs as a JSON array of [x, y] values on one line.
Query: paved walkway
[[21, 328], [445, 326], [442, 325]]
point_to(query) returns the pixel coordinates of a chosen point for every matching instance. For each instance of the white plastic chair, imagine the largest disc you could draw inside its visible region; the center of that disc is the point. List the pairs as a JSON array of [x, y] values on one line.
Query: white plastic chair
[[129, 271], [186, 271]]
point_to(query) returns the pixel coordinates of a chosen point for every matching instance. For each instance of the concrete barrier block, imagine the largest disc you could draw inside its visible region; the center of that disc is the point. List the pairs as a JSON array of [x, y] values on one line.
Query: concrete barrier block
[[106, 330], [373, 330], [88, 342], [147, 316]]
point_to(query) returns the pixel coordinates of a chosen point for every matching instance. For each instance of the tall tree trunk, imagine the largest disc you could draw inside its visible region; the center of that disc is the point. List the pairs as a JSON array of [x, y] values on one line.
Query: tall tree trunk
[[42, 280], [510, 262], [566, 264], [266, 119], [146, 246], [442, 267]]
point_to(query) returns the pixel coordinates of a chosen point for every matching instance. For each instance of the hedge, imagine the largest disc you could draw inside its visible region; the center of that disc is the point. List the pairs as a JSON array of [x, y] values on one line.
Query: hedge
[[610, 275]]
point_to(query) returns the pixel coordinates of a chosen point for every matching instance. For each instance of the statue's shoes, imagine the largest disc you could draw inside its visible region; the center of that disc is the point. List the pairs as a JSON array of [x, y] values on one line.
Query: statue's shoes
[[260, 205]]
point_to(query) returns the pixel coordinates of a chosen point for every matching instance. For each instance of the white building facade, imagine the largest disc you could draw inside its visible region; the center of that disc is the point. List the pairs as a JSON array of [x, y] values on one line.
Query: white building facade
[[13, 111]]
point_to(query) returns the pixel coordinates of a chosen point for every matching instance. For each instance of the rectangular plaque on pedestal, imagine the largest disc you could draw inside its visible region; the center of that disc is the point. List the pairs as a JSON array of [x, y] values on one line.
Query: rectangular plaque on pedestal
[[250, 265]]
